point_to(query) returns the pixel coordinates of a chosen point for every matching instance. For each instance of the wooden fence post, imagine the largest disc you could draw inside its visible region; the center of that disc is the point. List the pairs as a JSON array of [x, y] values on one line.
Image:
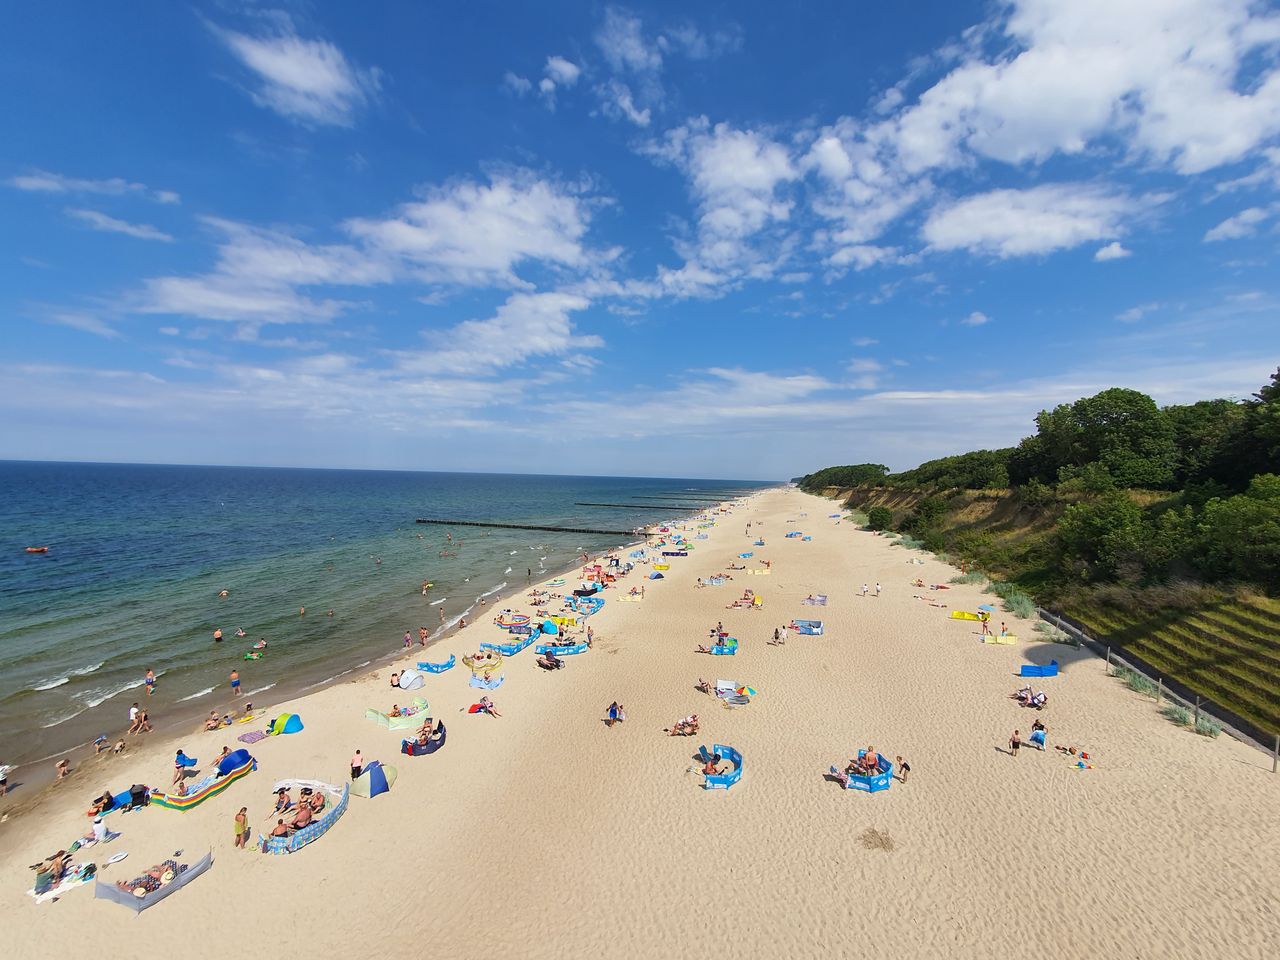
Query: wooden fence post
[[1108, 660], [1197, 723], [1275, 754], [1159, 689]]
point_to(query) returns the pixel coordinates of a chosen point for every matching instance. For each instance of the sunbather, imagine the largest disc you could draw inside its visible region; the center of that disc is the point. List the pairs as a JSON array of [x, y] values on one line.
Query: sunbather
[[303, 817], [101, 805], [283, 800]]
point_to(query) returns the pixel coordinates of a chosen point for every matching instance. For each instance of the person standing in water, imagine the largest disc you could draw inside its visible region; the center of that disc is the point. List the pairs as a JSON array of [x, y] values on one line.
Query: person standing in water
[[217, 634], [150, 680]]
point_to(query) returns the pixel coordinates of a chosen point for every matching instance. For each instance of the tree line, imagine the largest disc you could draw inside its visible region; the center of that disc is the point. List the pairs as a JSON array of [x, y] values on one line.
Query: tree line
[[1215, 515]]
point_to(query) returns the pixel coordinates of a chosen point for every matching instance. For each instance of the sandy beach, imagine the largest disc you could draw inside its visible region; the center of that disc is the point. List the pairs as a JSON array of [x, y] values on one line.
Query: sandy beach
[[545, 833]]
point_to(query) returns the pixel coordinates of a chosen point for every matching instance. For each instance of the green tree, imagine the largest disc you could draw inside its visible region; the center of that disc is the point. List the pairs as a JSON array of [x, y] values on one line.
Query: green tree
[[879, 518], [1102, 538], [1240, 536]]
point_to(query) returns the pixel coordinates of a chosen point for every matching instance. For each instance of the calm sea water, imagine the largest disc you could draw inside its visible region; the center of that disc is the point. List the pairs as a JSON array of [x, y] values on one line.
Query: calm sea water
[[138, 554]]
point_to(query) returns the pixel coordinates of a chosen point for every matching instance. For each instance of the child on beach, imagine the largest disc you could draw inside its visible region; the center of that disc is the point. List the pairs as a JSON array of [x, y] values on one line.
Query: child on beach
[[357, 764], [1014, 743], [150, 680], [903, 768]]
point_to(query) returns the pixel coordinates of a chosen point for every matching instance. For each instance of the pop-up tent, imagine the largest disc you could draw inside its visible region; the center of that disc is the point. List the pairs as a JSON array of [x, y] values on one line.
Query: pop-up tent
[[375, 779], [285, 723], [410, 679]]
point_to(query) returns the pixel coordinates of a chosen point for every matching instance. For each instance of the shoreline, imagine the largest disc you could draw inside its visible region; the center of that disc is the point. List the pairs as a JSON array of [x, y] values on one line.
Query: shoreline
[[39, 775]]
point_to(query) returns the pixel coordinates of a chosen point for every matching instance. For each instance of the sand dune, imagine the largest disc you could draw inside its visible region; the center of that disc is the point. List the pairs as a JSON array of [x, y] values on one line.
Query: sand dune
[[545, 834]]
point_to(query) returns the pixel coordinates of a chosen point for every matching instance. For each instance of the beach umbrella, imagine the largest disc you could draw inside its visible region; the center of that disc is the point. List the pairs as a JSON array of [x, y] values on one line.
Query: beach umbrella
[[747, 691]]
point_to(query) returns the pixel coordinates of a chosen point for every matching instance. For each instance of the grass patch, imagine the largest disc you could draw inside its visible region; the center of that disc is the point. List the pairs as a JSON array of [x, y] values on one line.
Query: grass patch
[[908, 541], [1176, 714], [1015, 600], [1207, 727], [973, 576], [1051, 633], [858, 517], [1135, 681]]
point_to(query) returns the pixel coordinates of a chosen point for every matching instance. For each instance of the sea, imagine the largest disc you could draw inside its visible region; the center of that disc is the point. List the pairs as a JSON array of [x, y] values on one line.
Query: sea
[[139, 555]]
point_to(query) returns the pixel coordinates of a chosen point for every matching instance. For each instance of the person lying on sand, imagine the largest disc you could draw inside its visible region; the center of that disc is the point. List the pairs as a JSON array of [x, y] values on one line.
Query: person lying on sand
[[703, 686], [710, 769], [395, 710], [684, 728]]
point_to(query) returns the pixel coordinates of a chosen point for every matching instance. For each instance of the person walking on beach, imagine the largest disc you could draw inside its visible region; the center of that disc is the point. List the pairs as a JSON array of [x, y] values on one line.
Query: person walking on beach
[[442, 614], [591, 636], [150, 680], [357, 764], [235, 682], [903, 769], [1014, 743], [133, 717], [864, 589], [242, 828], [1004, 631], [422, 636], [144, 722]]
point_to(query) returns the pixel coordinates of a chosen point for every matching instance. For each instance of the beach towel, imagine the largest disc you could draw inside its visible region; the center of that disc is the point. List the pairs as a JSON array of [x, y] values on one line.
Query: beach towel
[[486, 684], [253, 736], [77, 876]]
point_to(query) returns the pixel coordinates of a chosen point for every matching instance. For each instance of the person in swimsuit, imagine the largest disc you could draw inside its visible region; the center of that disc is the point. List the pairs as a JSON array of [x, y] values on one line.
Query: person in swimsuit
[[280, 830], [217, 635], [242, 827], [903, 769], [357, 764], [235, 682], [1015, 742], [150, 680]]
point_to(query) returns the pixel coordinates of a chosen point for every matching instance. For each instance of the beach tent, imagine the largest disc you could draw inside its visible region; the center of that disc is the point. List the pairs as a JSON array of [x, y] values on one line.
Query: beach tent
[[375, 779], [140, 897], [285, 723], [233, 760], [549, 626], [410, 679], [656, 576]]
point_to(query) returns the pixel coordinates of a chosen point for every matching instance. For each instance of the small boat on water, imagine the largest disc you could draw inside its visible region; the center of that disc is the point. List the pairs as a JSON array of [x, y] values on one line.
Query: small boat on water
[[37, 549]]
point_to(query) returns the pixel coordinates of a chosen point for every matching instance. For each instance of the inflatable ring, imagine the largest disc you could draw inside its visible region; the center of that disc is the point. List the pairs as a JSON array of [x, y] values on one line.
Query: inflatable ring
[[166, 876]]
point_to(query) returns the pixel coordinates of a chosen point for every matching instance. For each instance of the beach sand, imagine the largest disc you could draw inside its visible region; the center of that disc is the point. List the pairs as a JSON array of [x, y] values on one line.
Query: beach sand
[[544, 833]]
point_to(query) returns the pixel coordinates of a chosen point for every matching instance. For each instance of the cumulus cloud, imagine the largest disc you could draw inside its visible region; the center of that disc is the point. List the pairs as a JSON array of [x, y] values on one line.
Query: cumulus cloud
[[1015, 223], [307, 81], [618, 103], [1112, 251], [976, 319], [479, 233], [517, 84], [621, 39], [100, 221]]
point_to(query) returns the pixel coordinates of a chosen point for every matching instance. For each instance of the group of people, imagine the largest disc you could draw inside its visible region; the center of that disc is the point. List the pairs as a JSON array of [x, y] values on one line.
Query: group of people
[[310, 804], [687, 727], [1028, 699]]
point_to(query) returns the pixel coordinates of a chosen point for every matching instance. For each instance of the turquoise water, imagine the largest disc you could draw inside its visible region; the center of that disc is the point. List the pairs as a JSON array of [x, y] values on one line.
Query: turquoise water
[[138, 554]]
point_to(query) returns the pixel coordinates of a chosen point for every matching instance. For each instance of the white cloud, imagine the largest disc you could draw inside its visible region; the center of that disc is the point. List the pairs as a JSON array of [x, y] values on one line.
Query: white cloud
[[42, 181], [88, 323], [976, 319], [308, 81], [735, 176], [1134, 314], [617, 103], [1243, 224], [1112, 251], [1013, 223], [1169, 77], [473, 233], [861, 256], [562, 72], [517, 84], [100, 221], [865, 365], [621, 40], [865, 342], [526, 326]]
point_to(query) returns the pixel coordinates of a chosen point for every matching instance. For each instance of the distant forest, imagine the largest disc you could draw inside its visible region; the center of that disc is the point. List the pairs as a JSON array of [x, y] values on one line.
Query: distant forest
[[1146, 494]]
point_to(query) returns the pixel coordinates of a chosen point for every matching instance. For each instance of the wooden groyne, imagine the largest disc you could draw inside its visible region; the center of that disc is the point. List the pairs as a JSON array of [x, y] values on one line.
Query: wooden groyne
[[528, 526], [643, 506]]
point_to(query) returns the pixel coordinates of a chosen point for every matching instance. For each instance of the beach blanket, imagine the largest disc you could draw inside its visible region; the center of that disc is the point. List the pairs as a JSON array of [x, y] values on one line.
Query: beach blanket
[[77, 876], [819, 601], [994, 638], [486, 684], [253, 736]]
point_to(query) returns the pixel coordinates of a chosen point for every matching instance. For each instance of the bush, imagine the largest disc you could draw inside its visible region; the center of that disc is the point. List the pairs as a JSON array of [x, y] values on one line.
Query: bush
[[908, 541], [1179, 715], [879, 518], [1054, 635], [1015, 600], [1137, 682], [934, 542], [973, 576], [1208, 727], [858, 517]]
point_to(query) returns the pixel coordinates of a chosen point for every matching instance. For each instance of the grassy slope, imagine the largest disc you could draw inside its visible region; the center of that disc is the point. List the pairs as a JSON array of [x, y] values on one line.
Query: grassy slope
[[1227, 650]]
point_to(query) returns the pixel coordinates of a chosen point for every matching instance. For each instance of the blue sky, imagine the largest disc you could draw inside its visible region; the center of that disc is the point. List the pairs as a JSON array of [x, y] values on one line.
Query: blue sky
[[718, 239]]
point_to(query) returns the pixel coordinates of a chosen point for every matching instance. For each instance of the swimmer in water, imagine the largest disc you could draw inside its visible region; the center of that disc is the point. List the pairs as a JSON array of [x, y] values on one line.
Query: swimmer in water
[[217, 635], [223, 593], [302, 611], [240, 632]]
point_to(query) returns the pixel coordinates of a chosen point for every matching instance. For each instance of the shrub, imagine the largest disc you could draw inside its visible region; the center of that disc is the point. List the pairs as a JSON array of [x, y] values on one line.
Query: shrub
[[934, 541], [1208, 727], [1054, 635], [1179, 715], [1139, 684], [879, 518], [973, 576], [858, 517], [1020, 605], [908, 541]]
